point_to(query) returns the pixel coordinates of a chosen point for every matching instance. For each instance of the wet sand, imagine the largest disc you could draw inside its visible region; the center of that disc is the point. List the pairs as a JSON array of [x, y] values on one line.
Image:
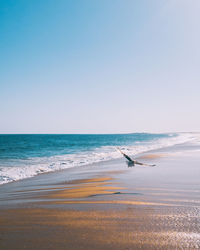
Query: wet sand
[[107, 206]]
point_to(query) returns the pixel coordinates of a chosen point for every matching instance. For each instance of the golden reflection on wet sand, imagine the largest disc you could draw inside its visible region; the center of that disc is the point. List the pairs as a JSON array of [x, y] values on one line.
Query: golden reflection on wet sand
[[152, 156], [110, 229], [85, 188], [135, 224], [122, 202]]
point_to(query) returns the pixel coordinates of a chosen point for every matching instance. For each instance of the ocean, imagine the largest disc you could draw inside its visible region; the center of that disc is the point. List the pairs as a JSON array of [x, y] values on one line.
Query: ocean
[[25, 155]]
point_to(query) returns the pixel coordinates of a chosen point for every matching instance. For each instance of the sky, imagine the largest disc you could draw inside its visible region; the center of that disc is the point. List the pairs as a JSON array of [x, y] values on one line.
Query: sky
[[108, 66]]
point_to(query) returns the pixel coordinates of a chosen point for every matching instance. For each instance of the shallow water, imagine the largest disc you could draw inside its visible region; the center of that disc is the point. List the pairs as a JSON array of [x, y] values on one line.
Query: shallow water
[[23, 156]]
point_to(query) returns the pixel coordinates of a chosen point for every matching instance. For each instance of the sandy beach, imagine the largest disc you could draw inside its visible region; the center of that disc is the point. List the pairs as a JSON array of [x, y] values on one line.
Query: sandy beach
[[107, 205]]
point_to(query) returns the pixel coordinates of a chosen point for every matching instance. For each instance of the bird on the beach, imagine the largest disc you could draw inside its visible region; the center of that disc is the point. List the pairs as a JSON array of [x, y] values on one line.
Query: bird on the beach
[[132, 162]]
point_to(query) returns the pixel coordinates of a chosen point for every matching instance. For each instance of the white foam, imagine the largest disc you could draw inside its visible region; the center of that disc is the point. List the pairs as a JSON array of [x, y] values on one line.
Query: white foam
[[34, 166]]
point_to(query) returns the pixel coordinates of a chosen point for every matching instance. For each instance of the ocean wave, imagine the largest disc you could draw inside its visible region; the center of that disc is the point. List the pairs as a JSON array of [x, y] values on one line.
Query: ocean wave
[[27, 168]]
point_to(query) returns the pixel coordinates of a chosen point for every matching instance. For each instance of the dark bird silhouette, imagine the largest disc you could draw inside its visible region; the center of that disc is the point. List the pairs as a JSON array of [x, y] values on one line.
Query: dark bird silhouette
[[132, 162]]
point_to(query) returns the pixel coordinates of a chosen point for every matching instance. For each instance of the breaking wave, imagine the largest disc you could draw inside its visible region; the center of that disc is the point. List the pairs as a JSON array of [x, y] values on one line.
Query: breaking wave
[[17, 169]]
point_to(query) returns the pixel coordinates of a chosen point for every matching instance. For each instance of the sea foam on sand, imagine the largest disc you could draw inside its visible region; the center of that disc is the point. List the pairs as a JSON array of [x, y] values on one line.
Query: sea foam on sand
[[22, 169]]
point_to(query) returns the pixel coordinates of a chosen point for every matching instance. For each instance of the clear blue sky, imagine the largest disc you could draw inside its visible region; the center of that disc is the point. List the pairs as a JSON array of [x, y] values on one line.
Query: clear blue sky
[[99, 66]]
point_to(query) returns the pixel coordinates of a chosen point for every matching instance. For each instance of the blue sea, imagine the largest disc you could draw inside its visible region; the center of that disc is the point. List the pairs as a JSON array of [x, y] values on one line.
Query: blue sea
[[24, 156]]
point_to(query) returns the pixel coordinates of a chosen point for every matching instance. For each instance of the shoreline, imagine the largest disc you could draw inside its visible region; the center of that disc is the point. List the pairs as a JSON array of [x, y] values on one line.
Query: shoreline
[[108, 206], [32, 167]]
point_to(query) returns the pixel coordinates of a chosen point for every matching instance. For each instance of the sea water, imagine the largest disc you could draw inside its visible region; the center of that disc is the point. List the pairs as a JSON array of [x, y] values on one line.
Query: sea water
[[24, 156]]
